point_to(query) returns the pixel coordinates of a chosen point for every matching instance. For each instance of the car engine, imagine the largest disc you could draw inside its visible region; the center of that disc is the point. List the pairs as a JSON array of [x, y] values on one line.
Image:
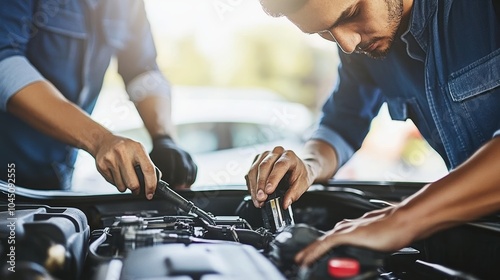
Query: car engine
[[125, 237]]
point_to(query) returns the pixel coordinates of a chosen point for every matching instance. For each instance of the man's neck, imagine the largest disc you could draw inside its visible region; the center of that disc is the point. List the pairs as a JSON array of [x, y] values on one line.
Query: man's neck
[[405, 19]]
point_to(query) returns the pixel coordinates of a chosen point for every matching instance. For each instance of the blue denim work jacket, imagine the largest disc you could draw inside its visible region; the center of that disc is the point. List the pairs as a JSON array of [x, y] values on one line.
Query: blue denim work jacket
[[443, 73], [69, 43]]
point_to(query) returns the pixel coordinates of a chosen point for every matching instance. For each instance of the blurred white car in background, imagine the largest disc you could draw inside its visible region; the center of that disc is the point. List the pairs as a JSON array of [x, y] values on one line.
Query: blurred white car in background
[[223, 129]]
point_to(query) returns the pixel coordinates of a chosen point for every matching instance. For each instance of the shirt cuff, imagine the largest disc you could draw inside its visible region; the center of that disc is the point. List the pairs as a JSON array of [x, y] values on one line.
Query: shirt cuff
[[147, 84], [16, 72], [497, 133], [342, 148]]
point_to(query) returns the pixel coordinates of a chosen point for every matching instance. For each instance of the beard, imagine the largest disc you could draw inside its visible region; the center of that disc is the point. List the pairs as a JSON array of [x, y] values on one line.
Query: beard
[[395, 13]]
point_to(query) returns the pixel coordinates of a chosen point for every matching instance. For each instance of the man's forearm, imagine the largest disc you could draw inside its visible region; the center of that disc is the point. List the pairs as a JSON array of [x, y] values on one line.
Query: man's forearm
[[467, 193], [43, 107], [322, 159], [155, 111]]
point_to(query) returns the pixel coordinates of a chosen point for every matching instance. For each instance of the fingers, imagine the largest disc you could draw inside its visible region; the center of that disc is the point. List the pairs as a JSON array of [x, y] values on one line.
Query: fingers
[[269, 168], [194, 174], [150, 179], [166, 164], [192, 171], [264, 168], [129, 181], [185, 171], [297, 180], [265, 173], [178, 171], [280, 168], [116, 159], [314, 251], [108, 167], [251, 180], [379, 230], [176, 164]]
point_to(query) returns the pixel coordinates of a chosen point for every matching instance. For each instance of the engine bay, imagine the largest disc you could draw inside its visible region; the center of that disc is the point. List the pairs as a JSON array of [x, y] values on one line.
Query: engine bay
[[219, 234]]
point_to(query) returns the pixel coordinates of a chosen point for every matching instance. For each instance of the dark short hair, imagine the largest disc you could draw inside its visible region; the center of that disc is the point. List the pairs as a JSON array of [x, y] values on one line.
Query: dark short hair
[[278, 8]]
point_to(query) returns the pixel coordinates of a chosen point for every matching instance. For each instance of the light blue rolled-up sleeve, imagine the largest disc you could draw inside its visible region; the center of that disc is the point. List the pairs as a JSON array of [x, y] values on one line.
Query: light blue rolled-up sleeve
[[343, 150], [146, 84], [497, 133], [16, 72]]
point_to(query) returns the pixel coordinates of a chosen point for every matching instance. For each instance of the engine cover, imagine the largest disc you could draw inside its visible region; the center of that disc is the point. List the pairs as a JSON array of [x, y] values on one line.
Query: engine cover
[[193, 261]]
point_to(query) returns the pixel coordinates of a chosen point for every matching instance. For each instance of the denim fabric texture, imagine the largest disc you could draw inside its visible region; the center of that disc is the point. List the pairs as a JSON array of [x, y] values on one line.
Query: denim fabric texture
[[443, 73], [69, 43]]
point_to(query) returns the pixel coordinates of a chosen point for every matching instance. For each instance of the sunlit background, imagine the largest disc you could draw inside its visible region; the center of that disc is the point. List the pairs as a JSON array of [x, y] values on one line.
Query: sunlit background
[[244, 82]]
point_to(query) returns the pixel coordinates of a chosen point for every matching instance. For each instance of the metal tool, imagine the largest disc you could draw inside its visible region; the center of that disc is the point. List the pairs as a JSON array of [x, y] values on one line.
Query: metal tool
[[163, 189], [274, 216]]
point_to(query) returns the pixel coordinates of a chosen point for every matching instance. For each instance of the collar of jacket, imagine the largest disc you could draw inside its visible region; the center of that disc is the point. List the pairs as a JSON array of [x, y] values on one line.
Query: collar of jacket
[[421, 14]]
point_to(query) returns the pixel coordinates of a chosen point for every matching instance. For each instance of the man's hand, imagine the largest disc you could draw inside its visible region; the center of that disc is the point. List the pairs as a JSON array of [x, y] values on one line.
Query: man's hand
[[454, 199], [381, 230], [115, 156], [115, 160], [269, 168], [177, 166]]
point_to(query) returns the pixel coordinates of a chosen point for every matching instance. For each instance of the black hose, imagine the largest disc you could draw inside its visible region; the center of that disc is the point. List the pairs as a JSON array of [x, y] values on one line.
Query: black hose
[[244, 236]]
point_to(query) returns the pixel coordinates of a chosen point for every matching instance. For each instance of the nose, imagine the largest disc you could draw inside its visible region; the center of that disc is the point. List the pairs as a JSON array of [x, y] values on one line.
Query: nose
[[346, 39]]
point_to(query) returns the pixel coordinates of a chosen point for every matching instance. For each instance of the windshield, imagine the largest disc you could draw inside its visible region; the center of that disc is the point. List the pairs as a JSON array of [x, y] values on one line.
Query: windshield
[[242, 83]]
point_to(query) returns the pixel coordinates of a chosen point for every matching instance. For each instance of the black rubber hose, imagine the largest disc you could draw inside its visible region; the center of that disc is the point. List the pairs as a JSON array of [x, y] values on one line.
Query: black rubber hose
[[244, 236], [250, 237]]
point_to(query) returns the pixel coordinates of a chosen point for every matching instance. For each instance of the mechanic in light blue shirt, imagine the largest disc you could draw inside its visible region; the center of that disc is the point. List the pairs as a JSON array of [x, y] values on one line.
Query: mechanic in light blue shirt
[[53, 56], [435, 62]]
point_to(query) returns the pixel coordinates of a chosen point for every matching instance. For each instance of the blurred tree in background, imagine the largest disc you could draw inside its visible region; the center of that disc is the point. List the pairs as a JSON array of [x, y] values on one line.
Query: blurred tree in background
[[184, 64], [271, 57]]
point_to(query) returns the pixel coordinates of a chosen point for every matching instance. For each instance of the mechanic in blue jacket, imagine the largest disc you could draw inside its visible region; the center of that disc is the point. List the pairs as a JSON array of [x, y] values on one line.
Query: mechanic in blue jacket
[[434, 62], [53, 56]]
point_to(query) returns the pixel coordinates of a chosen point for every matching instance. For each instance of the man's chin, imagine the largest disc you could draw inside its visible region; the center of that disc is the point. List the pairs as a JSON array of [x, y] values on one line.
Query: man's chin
[[375, 54], [378, 53]]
